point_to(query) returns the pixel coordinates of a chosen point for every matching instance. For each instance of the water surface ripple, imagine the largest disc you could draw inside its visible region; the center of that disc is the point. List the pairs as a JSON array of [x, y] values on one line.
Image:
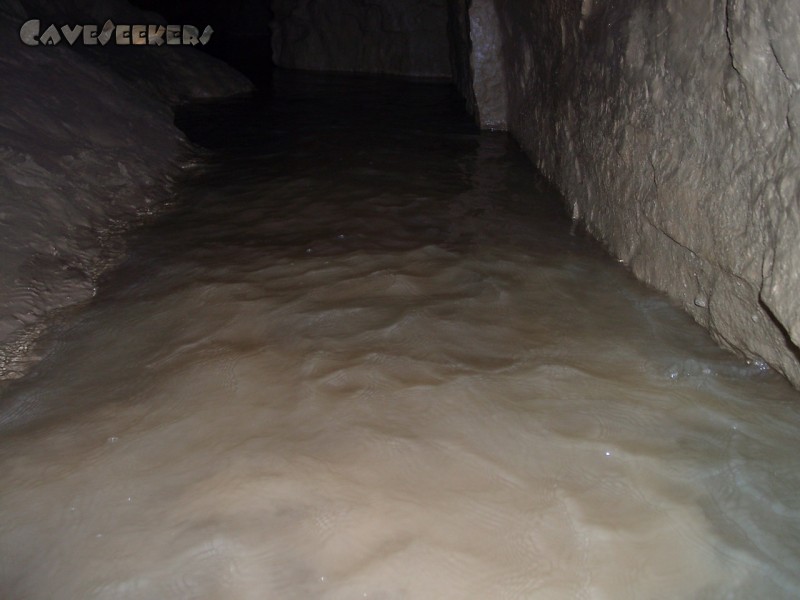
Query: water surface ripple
[[364, 356]]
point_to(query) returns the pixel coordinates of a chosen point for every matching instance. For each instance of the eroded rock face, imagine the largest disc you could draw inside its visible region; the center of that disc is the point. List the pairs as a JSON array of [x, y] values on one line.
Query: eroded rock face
[[476, 45], [381, 36], [87, 144], [671, 129], [458, 31]]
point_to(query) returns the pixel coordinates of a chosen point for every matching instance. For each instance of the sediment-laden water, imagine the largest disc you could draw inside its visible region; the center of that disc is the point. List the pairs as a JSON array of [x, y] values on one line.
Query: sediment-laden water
[[365, 355]]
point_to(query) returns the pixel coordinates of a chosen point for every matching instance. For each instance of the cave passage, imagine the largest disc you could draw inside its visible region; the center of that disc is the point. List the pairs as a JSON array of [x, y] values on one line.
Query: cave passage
[[364, 355]]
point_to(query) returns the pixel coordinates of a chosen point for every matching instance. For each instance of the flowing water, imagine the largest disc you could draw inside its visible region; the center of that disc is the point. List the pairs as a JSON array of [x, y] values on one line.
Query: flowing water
[[364, 355]]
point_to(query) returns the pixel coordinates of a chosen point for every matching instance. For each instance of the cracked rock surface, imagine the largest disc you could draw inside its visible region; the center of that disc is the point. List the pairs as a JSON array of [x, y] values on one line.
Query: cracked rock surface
[[671, 129]]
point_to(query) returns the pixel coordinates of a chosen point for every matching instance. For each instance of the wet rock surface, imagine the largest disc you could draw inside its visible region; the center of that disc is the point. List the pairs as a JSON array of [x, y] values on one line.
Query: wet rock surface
[[671, 130], [88, 146]]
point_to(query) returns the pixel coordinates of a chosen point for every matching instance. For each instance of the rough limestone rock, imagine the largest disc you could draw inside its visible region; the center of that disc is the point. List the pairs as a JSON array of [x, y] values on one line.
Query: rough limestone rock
[[473, 26], [87, 144], [672, 130], [379, 36], [458, 31]]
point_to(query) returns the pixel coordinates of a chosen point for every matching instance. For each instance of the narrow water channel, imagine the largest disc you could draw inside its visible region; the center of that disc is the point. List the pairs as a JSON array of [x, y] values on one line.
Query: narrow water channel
[[365, 354]]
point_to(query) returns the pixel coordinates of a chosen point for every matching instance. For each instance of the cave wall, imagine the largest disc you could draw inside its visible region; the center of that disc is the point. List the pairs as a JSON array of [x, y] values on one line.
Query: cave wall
[[379, 36], [671, 129], [458, 32], [87, 146], [475, 48]]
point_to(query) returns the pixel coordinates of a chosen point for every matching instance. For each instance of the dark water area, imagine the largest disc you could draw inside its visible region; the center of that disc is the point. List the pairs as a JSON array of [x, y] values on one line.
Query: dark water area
[[366, 354]]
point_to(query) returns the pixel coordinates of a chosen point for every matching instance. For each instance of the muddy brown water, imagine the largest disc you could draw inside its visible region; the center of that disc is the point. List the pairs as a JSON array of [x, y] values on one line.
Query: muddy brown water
[[365, 354]]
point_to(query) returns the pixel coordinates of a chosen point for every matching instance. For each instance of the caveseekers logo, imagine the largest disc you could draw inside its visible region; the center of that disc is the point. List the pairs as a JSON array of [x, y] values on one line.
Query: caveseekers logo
[[122, 35]]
